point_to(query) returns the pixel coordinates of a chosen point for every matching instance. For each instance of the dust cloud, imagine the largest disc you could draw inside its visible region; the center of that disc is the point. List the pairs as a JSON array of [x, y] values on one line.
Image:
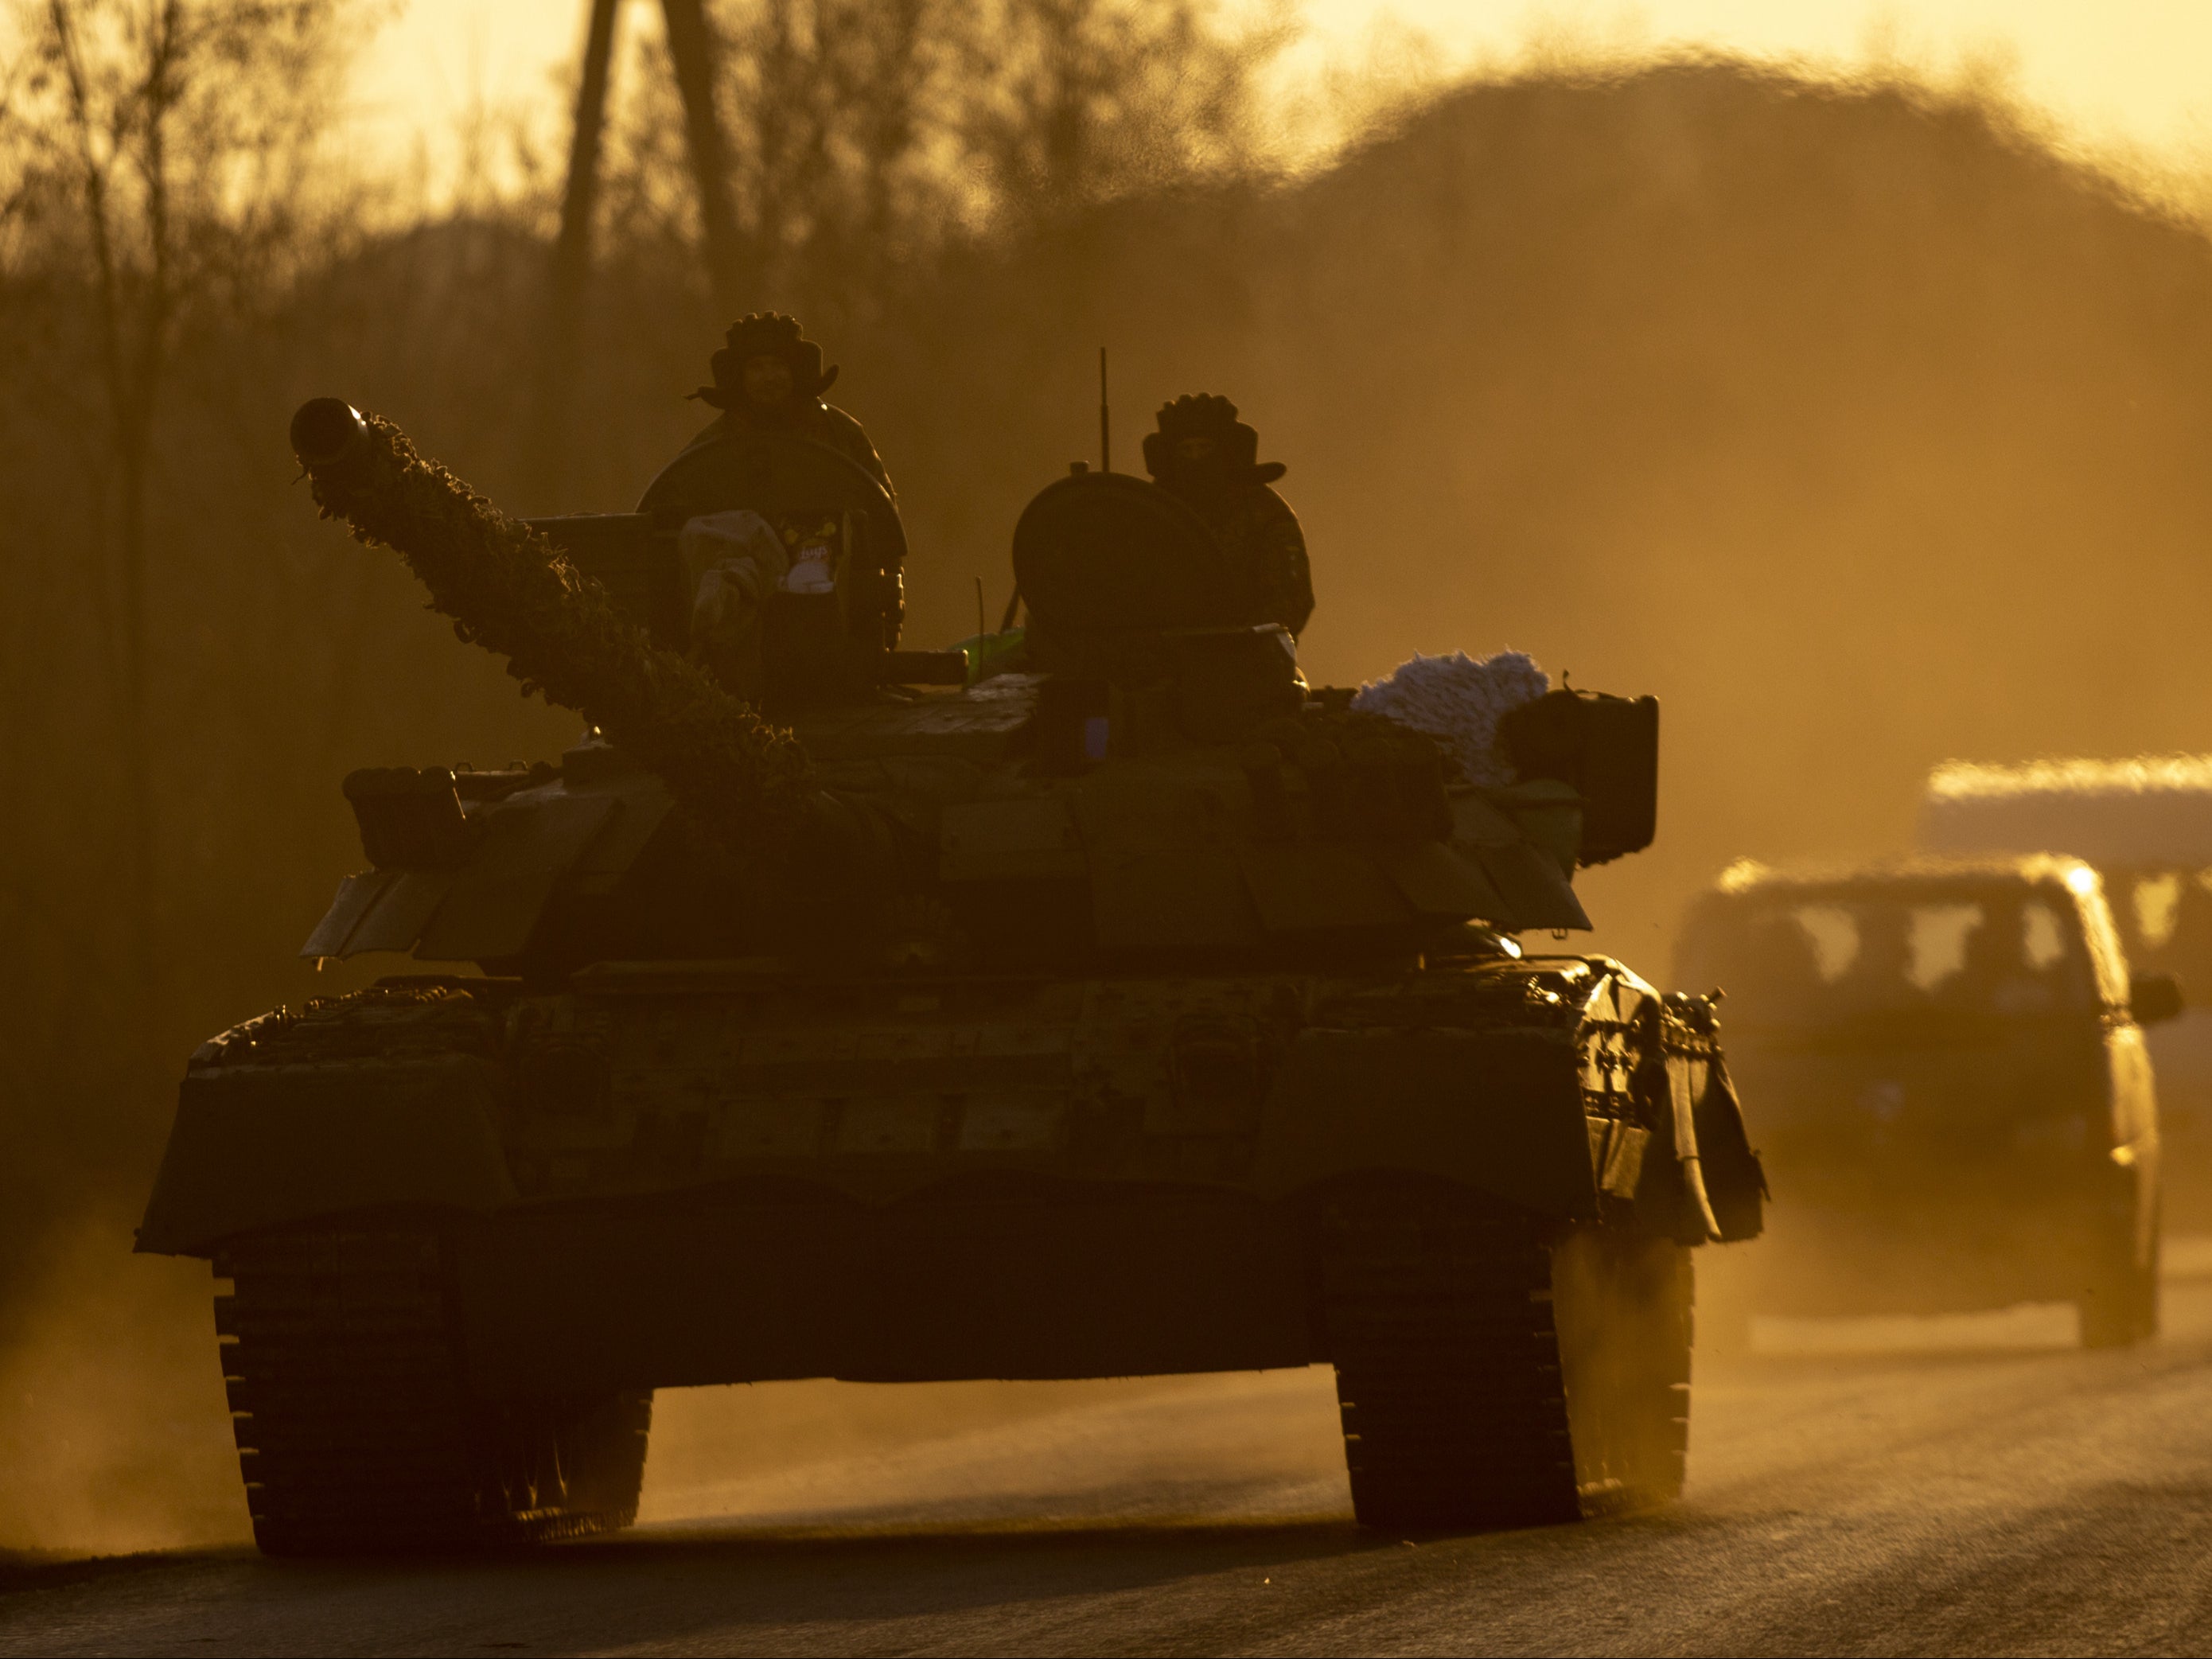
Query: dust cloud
[[114, 1434], [1852, 422], [850, 1456]]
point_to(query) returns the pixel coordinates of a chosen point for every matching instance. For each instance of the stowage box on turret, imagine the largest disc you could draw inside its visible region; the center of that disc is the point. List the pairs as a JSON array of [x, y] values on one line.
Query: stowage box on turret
[[1142, 1011]]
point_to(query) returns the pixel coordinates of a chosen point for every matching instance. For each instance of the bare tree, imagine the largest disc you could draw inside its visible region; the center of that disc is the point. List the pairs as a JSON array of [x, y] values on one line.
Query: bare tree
[[1075, 100], [844, 140], [158, 136], [693, 50], [572, 249]]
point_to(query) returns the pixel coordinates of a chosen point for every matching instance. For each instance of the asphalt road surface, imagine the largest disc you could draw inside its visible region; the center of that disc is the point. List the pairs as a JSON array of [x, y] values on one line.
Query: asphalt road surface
[[1971, 1485]]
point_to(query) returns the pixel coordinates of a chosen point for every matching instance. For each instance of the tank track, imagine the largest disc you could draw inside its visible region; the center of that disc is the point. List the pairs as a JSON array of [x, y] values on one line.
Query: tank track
[[1459, 1409], [1439, 1318], [354, 1432]]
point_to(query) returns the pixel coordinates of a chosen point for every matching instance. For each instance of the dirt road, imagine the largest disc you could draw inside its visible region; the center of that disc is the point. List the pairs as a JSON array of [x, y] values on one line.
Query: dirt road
[[1952, 1486]]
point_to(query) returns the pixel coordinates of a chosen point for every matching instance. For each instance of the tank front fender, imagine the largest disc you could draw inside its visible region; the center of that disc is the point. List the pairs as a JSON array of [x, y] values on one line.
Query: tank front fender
[[1501, 1111], [257, 1146]]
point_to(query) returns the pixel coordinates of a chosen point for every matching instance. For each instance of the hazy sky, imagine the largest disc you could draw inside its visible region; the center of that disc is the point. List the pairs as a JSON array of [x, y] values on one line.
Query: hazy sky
[[2129, 72]]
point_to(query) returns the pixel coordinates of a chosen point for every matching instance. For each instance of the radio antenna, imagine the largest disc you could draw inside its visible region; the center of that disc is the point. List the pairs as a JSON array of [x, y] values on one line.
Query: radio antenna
[[1105, 425]]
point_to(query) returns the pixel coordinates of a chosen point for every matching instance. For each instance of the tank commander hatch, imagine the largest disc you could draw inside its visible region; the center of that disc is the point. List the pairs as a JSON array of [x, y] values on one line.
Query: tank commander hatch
[[769, 377], [1207, 457]]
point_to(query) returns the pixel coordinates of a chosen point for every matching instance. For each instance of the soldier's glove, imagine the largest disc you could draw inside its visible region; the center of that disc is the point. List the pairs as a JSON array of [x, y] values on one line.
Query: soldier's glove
[[731, 561]]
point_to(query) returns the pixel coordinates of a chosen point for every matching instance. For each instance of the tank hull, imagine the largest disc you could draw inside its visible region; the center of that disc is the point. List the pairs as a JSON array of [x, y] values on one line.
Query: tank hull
[[687, 1173], [1020, 1282], [1548, 1084]]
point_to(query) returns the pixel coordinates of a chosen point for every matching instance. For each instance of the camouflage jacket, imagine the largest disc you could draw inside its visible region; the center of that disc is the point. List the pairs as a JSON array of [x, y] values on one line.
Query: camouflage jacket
[[1266, 552]]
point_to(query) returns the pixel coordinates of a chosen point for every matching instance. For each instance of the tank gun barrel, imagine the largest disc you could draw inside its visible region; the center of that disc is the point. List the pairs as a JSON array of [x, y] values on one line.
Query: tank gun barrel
[[508, 590]]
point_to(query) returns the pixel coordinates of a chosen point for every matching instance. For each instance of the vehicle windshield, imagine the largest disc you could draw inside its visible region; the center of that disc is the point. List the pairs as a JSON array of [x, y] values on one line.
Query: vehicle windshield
[[1844, 954]]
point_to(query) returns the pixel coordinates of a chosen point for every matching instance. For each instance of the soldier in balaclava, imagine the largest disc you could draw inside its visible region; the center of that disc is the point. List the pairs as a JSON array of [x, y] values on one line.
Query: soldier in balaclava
[[1209, 458], [769, 375]]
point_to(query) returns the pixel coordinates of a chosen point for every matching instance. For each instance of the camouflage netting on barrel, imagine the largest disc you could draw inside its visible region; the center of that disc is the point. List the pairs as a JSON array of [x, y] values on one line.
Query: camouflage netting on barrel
[[508, 590]]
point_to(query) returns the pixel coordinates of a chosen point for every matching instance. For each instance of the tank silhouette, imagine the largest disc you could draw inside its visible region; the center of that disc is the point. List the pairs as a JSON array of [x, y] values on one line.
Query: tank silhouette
[[1143, 1010]]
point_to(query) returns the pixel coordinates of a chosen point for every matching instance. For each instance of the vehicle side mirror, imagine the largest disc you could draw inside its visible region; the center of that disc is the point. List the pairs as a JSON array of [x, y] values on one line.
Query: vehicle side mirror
[[2153, 997]]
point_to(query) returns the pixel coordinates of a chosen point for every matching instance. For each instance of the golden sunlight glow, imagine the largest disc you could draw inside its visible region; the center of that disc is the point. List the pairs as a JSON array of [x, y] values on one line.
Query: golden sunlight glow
[[2138, 775], [2127, 76]]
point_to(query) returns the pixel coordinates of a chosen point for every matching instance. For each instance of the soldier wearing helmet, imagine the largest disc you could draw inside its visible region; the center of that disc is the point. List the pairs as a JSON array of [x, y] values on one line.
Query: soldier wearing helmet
[[1205, 455], [769, 375], [768, 378]]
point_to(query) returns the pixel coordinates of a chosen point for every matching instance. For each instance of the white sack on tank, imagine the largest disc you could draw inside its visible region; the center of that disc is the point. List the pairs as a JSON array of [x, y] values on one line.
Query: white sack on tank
[[1459, 699]]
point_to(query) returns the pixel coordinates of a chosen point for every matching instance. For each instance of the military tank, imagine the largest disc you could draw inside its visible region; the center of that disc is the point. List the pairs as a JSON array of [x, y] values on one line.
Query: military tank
[[1137, 1010]]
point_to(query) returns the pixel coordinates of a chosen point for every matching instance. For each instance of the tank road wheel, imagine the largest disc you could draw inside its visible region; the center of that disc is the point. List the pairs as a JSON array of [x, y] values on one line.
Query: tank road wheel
[[356, 1433], [1463, 1406]]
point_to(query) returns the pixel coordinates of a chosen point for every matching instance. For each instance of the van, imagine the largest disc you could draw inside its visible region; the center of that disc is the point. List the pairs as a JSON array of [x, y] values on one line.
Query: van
[[2145, 824], [1946, 1065]]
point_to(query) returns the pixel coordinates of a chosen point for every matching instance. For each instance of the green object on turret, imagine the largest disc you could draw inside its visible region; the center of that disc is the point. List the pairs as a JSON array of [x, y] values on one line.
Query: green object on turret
[[994, 653]]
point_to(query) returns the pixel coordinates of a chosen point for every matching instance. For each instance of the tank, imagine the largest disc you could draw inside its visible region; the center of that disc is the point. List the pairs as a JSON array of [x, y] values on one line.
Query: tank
[[1134, 1009]]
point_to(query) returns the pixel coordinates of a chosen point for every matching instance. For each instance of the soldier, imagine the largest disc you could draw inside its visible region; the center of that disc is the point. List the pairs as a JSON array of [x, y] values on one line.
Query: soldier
[[1208, 457], [769, 376]]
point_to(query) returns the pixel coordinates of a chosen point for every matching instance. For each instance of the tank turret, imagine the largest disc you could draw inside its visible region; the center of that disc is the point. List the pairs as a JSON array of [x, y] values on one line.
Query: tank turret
[[1164, 783]]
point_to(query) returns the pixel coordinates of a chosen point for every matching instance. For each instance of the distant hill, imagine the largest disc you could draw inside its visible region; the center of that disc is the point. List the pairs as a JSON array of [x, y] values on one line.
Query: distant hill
[[1858, 427], [1861, 430]]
